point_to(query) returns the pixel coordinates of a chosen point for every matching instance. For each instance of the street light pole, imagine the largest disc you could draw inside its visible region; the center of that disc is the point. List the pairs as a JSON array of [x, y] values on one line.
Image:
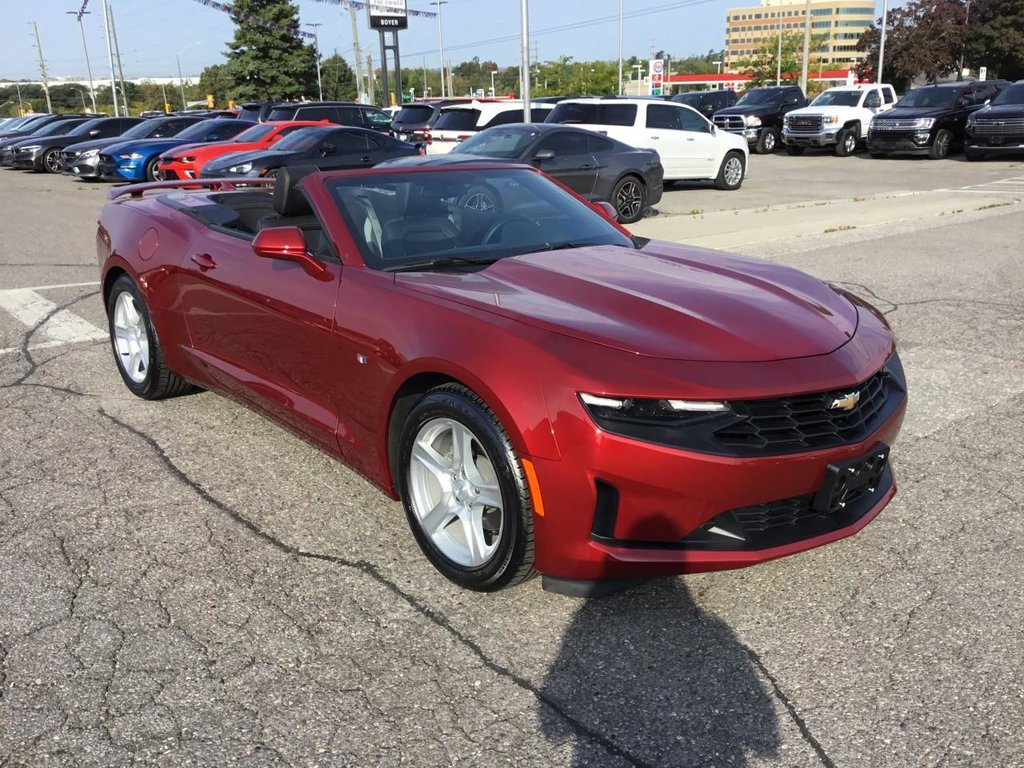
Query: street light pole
[[110, 59], [88, 66], [524, 9], [778, 55], [316, 47], [181, 83], [620, 47], [440, 40], [807, 46], [881, 41], [493, 94]]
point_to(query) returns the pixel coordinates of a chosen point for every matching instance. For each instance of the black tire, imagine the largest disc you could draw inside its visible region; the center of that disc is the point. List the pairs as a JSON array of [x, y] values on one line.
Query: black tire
[[846, 142], [972, 154], [794, 151], [727, 178], [629, 196], [939, 150], [767, 142], [52, 162], [158, 381], [878, 155], [152, 174], [512, 560]]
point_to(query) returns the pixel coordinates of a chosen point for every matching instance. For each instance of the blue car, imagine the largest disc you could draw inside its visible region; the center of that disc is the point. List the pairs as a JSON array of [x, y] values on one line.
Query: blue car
[[137, 160]]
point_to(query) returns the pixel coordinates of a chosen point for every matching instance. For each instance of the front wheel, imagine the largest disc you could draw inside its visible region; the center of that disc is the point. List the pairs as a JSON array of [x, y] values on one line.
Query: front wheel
[[52, 162], [629, 199], [794, 150], [152, 174], [940, 146], [730, 173], [465, 492], [767, 142], [136, 348], [846, 142]]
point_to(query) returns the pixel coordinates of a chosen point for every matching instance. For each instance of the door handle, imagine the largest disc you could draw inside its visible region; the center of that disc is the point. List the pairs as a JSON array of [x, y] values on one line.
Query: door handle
[[588, 167], [691, 139], [204, 261], [366, 159], [655, 137]]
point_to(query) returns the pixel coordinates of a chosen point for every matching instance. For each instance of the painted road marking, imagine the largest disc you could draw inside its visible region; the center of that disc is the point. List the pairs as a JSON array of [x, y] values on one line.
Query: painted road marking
[[57, 326]]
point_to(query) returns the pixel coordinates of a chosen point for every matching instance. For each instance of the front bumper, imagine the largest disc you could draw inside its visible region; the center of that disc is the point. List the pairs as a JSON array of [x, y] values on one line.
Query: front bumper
[[176, 171], [27, 161], [903, 142], [822, 139], [113, 171], [997, 143], [82, 167]]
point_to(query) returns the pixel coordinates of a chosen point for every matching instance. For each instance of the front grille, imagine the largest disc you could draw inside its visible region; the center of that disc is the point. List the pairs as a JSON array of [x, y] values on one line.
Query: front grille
[[893, 124], [107, 160], [729, 122], [805, 124], [1001, 127], [806, 421], [774, 514]]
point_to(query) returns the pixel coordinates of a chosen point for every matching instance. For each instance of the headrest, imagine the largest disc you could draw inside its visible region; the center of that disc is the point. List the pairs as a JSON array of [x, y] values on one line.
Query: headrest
[[288, 198]]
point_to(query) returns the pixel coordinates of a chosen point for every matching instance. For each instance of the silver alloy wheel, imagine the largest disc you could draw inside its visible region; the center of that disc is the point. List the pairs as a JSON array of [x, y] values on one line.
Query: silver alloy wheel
[[769, 142], [455, 493], [52, 161], [942, 142], [630, 200], [131, 339], [849, 143], [478, 201], [733, 171]]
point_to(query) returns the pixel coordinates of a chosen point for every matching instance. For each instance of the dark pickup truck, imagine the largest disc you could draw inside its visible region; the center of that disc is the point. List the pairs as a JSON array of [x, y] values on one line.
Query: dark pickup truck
[[757, 115]]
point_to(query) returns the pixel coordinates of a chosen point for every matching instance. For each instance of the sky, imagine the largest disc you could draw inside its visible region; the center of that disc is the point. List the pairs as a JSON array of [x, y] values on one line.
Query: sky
[[152, 32]]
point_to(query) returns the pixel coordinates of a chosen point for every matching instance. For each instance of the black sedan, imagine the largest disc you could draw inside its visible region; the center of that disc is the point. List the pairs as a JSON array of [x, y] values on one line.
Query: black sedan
[[8, 147], [594, 166], [327, 148], [47, 153]]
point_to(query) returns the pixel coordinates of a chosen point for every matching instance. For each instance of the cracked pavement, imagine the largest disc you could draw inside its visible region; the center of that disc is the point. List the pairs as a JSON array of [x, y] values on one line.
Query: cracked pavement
[[184, 584]]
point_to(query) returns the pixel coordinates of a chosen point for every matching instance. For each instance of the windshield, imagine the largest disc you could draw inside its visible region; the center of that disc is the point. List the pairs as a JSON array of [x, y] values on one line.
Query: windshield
[[307, 138], [928, 97], [414, 114], [56, 128], [199, 131], [434, 219], [837, 99], [1012, 95], [760, 96], [457, 120], [256, 133], [498, 142]]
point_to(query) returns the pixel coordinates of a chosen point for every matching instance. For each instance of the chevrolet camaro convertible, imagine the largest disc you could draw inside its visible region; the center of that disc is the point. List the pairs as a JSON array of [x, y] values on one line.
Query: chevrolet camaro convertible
[[541, 390]]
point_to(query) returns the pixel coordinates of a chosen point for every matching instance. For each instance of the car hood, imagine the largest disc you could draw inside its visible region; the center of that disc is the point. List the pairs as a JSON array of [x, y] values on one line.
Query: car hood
[[910, 113], [664, 301], [997, 111], [753, 109], [215, 148]]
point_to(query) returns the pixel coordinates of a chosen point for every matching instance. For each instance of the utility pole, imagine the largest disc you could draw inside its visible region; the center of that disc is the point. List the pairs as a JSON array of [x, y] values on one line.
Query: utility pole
[[88, 66], [525, 24], [963, 45], [358, 53], [110, 58], [440, 41], [42, 69], [316, 47], [807, 46], [620, 48], [778, 56], [117, 54], [371, 95], [881, 41]]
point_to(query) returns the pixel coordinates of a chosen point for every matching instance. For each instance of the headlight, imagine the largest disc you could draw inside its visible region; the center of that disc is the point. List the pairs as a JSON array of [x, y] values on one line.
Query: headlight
[[30, 148], [125, 157], [187, 159], [751, 120], [972, 118], [90, 153], [924, 122], [785, 119], [243, 168], [136, 156], [679, 423], [830, 120]]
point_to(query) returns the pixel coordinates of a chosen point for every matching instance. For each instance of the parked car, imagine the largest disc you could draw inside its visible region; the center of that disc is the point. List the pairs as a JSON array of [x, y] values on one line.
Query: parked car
[[837, 118], [998, 128], [457, 122], [707, 102], [187, 162], [930, 120], [9, 147], [47, 153], [594, 167], [326, 147], [138, 160], [542, 391], [83, 159], [690, 147], [757, 115], [415, 120], [13, 124], [340, 112], [257, 111], [26, 125]]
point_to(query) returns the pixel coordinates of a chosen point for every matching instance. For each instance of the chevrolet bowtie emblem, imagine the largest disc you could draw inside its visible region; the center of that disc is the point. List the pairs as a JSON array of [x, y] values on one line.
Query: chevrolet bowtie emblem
[[846, 402]]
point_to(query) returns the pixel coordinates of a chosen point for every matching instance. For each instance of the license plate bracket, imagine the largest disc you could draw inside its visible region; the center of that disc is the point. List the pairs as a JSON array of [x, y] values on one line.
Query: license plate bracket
[[847, 481]]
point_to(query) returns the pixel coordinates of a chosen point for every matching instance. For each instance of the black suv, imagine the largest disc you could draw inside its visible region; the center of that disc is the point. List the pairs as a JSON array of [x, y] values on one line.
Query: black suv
[[340, 112], [757, 115], [930, 120], [707, 102], [999, 127]]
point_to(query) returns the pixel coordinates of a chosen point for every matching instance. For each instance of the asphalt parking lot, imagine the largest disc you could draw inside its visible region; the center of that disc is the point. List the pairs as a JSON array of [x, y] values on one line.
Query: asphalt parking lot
[[183, 583]]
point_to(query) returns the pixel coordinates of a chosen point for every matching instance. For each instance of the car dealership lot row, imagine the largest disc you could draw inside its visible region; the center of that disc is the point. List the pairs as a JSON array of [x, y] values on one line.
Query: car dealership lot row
[[184, 581]]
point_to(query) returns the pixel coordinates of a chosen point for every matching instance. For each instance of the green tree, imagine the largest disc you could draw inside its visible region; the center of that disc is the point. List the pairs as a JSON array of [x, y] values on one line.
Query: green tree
[[995, 38], [214, 80], [763, 65], [338, 78], [268, 62]]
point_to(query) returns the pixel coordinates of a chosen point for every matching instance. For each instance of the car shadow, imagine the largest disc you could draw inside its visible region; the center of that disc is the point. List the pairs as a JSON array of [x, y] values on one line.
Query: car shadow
[[648, 677]]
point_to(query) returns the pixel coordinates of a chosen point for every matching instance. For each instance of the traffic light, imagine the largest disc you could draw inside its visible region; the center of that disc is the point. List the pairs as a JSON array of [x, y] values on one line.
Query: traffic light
[[209, 100]]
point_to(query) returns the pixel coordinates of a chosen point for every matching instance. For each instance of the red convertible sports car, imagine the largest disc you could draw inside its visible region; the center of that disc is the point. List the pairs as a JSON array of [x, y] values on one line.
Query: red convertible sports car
[[543, 391]]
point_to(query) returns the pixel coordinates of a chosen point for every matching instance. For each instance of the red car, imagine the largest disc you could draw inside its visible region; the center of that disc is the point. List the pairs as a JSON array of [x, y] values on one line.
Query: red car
[[542, 390], [187, 162]]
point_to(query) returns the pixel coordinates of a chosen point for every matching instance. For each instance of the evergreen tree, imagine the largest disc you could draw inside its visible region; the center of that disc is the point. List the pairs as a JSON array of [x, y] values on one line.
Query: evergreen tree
[[338, 78], [268, 60]]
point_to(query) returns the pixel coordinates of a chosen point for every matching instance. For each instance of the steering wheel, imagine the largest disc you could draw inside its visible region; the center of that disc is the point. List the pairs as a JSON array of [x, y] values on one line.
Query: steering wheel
[[497, 226]]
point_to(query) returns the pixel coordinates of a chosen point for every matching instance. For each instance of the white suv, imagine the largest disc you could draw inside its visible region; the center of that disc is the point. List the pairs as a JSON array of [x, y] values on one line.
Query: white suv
[[688, 143], [458, 122], [837, 117]]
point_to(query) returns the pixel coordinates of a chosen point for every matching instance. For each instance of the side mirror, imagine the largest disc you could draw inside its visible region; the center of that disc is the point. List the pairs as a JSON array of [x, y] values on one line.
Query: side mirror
[[288, 244], [607, 210], [94, 132], [543, 154], [327, 149]]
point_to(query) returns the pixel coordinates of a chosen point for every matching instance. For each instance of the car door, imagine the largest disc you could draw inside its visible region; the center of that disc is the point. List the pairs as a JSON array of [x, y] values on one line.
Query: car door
[[569, 161], [263, 329], [700, 141], [969, 100], [345, 149], [664, 132]]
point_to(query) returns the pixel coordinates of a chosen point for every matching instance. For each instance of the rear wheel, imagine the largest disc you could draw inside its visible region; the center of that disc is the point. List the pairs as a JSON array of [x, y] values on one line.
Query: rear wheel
[[52, 162], [730, 174], [135, 345], [465, 492], [846, 142], [767, 142], [939, 149], [629, 198], [795, 151]]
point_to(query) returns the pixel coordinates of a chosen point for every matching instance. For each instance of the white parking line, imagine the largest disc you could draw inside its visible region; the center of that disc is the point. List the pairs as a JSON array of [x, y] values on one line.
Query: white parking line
[[58, 326]]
